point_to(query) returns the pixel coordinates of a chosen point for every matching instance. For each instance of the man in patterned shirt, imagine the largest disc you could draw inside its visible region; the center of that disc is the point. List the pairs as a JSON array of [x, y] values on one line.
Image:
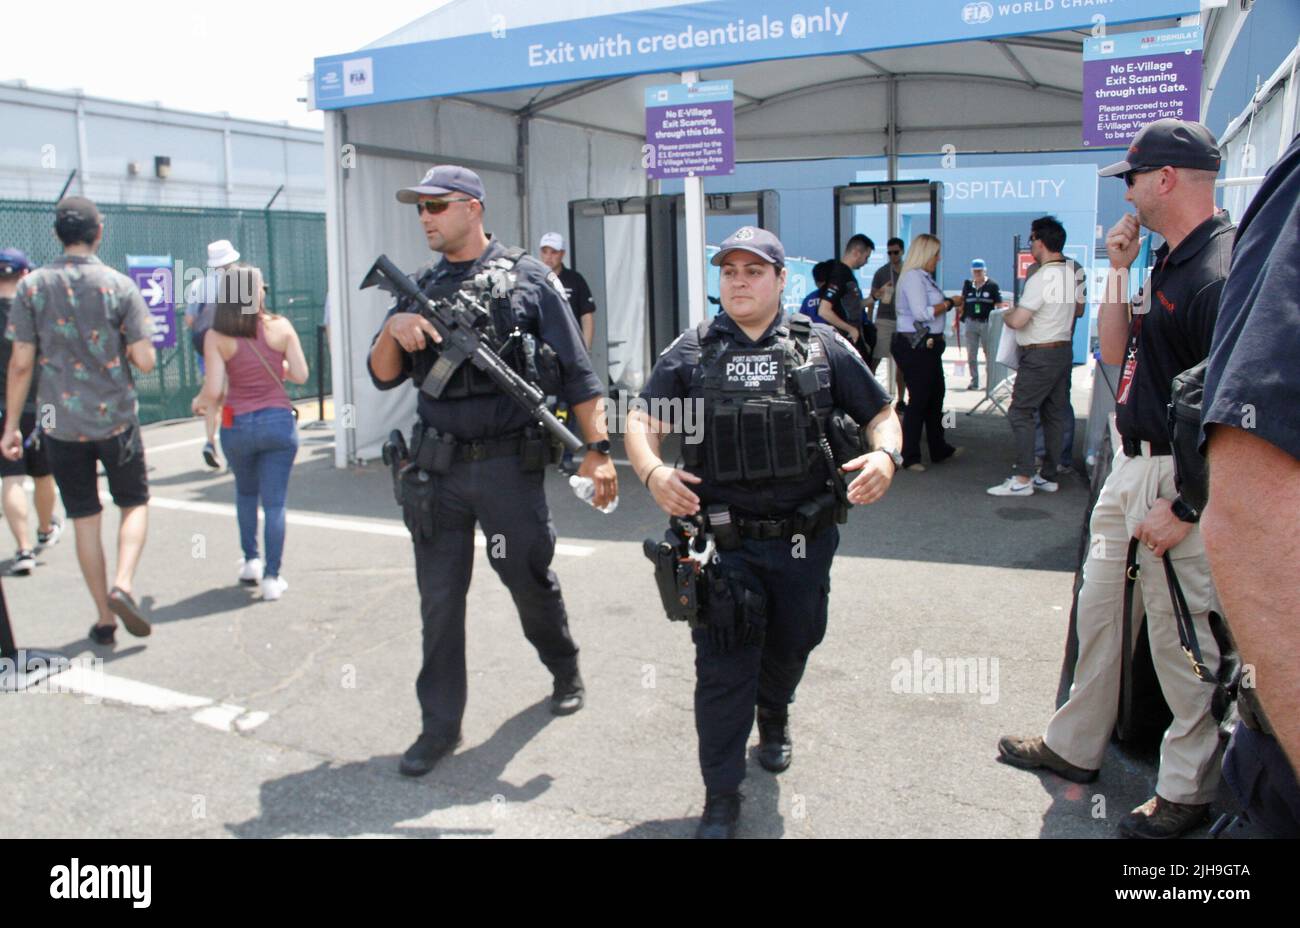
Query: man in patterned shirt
[[85, 324]]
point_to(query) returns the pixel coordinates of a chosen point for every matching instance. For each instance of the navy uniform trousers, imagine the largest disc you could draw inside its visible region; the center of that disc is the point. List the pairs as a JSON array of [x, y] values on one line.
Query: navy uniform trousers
[[511, 507], [729, 684]]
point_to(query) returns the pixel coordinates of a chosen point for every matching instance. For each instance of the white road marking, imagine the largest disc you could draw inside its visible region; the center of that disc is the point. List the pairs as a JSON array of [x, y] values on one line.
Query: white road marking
[[98, 686], [148, 450], [390, 528]]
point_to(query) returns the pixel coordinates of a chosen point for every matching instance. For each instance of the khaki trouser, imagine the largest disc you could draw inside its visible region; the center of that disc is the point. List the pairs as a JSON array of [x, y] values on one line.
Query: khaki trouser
[[1081, 729]]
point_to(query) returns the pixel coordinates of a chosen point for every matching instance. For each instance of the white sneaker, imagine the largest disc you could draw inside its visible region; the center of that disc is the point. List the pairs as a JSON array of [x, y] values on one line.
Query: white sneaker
[[1012, 487], [51, 538], [250, 572], [272, 587], [1047, 486]]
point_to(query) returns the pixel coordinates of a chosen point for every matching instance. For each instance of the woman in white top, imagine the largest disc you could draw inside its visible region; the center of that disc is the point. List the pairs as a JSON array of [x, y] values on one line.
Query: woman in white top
[[920, 306]]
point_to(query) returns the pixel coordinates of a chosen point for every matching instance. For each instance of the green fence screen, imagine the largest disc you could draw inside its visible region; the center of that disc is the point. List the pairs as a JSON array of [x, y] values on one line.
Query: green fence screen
[[289, 247]]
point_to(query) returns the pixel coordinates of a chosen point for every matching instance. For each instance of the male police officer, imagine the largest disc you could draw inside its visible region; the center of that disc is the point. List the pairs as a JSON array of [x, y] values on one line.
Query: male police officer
[[477, 456], [769, 385]]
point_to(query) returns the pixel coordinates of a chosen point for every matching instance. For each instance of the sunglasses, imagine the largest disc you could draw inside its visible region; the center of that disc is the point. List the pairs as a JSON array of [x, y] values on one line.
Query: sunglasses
[[434, 207], [1129, 175]]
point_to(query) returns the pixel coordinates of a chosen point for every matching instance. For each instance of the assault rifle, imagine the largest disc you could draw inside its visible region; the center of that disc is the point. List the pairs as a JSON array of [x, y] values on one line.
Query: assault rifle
[[455, 321]]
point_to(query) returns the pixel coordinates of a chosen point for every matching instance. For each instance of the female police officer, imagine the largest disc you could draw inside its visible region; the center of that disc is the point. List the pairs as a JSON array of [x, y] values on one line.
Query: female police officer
[[769, 385]]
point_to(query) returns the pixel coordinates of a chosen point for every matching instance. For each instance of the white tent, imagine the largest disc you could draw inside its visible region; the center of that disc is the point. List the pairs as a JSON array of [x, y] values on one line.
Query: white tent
[[548, 107]]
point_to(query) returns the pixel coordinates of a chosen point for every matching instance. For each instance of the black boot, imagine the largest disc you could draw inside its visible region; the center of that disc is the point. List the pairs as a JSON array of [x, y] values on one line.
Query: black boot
[[774, 748], [567, 696], [721, 813], [420, 757]]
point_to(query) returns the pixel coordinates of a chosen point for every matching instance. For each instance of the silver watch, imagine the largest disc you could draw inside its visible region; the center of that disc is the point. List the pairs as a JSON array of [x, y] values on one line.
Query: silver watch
[[894, 456]]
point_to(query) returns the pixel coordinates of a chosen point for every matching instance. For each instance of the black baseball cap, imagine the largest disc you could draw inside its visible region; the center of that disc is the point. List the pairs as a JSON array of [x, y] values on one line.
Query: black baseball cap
[[441, 180], [754, 240], [74, 215], [1174, 143]]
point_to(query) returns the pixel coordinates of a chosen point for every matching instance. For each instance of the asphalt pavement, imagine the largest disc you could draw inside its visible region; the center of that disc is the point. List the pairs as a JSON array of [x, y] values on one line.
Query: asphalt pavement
[[243, 718]]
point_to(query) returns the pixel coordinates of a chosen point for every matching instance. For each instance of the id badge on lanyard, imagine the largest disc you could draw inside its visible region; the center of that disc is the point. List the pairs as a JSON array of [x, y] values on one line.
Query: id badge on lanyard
[[1140, 307]]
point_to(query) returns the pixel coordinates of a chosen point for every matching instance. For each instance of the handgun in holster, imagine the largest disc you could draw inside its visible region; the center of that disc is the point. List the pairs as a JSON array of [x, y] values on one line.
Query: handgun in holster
[[681, 560], [396, 458]]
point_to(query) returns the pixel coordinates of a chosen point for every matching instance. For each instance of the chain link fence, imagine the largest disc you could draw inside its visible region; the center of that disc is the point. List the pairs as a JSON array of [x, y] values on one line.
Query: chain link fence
[[289, 247]]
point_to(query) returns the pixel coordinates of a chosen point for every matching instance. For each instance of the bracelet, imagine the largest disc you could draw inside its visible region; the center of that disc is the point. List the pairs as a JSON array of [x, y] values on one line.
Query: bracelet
[[651, 473]]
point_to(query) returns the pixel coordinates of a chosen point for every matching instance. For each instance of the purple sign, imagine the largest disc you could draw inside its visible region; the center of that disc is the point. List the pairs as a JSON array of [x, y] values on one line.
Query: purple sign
[[1133, 79], [689, 130], [154, 278]]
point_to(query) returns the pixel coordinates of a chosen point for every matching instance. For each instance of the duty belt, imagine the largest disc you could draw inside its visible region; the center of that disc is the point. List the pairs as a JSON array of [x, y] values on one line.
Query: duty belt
[[435, 451], [1133, 447]]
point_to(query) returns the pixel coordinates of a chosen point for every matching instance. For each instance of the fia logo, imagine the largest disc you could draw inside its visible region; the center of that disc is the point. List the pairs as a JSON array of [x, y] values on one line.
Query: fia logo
[[975, 14], [357, 78]]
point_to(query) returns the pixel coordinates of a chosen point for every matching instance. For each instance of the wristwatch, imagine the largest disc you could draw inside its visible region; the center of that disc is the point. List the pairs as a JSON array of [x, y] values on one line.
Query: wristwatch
[[893, 456], [1184, 511], [600, 447]]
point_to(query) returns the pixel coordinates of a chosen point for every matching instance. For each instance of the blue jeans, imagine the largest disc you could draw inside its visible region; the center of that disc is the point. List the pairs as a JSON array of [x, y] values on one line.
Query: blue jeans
[[260, 447]]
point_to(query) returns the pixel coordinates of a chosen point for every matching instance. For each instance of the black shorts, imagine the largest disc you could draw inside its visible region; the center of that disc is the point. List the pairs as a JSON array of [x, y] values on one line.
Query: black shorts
[[34, 462], [73, 464]]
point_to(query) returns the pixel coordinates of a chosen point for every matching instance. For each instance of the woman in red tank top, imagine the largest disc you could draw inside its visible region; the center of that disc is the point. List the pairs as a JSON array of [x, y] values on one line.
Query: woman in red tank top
[[255, 351]]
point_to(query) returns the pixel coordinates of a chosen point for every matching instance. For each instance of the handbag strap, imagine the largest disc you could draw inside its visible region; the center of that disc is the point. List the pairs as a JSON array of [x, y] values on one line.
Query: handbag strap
[[252, 343], [1182, 614]]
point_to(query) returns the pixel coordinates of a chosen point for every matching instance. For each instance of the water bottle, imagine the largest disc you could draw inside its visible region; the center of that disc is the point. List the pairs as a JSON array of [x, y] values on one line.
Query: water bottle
[[585, 489]]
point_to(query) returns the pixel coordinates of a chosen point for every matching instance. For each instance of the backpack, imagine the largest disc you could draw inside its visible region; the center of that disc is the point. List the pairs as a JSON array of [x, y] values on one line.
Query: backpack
[[1191, 474]]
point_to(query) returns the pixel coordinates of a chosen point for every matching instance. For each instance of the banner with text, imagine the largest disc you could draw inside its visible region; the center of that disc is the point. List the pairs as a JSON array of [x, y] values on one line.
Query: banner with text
[[690, 37], [153, 274], [689, 130], [1132, 79]]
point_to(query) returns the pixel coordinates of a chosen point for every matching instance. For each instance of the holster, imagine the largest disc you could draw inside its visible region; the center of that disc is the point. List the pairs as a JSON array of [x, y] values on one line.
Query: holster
[[419, 503], [536, 450], [735, 614], [817, 515], [678, 579]]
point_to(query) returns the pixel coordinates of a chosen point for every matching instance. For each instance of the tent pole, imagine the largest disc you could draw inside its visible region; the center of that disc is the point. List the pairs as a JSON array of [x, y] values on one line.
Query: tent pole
[[892, 149], [695, 271], [521, 181]]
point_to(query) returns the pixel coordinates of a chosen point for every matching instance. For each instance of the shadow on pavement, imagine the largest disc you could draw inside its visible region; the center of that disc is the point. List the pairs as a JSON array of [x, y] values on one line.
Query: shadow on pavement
[[371, 797]]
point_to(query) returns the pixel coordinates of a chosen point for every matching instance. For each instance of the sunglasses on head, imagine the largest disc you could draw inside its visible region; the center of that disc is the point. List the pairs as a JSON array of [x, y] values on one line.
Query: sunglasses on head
[[434, 207], [1129, 175]]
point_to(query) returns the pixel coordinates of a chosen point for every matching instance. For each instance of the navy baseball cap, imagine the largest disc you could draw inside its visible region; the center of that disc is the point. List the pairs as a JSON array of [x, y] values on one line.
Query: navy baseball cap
[[13, 261], [1174, 143], [755, 241], [441, 180]]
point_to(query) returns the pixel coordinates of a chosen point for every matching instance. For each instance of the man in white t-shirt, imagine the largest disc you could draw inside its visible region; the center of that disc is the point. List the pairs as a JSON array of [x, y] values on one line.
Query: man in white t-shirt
[[1044, 322]]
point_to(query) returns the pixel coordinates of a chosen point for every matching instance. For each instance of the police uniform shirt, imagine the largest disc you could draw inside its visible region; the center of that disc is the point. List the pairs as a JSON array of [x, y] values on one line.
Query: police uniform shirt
[[1172, 326], [853, 389], [542, 311], [576, 292], [843, 293], [1252, 381], [979, 300]]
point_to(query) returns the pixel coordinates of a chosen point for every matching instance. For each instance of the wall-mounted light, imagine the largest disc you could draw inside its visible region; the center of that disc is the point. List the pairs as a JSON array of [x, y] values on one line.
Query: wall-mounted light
[[162, 166]]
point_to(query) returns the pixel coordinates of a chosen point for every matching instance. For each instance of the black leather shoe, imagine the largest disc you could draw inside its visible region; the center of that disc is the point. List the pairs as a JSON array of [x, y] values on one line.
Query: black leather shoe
[[421, 757], [567, 696], [721, 813], [775, 751]]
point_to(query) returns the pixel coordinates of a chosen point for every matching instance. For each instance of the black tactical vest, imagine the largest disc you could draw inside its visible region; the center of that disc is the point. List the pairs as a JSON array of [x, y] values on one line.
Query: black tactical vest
[[758, 432], [489, 282]]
